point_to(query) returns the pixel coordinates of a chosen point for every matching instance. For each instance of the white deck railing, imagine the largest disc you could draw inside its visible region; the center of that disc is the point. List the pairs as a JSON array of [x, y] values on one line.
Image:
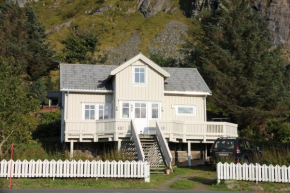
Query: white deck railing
[[163, 146], [197, 130], [137, 143], [74, 169], [253, 172], [91, 129], [116, 128]]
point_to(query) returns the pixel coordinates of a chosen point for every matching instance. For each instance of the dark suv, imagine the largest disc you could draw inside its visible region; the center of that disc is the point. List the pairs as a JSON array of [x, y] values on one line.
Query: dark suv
[[236, 150]]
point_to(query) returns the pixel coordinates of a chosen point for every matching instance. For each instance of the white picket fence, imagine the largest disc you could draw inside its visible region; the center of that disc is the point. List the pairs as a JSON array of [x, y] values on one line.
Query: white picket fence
[[74, 169], [253, 172]]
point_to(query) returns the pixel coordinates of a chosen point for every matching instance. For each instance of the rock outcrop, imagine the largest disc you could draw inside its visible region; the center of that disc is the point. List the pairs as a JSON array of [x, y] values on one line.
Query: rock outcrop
[[277, 14], [191, 8], [150, 8], [168, 43], [21, 3], [125, 51]]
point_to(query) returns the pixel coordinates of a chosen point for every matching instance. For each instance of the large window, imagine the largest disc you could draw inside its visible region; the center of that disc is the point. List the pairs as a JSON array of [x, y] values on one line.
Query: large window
[[139, 75], [96, 111], [125, 110], [155, 111], [89, 112], [140, 110], [186, 110]]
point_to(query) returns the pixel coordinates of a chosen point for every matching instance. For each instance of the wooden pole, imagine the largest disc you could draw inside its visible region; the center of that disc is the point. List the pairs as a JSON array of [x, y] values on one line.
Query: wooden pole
[[11, 165]]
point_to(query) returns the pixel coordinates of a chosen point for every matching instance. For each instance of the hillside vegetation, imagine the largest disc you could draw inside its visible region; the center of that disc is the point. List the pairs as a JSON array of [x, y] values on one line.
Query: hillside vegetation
[[113, 21]]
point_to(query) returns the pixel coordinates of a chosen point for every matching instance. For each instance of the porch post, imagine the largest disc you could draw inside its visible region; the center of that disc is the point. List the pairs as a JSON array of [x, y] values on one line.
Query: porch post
[[71, 149], [189, 153], [119, 145], [205, 152]]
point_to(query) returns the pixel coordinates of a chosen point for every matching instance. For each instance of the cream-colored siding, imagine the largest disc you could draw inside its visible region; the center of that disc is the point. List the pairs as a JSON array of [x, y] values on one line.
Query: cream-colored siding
[[73, 103], [169, 109], [125, 89]]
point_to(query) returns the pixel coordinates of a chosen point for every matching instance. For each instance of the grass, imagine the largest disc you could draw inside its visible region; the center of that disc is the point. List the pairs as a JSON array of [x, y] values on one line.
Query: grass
[[195, 178], [182, 184], [101, 183]]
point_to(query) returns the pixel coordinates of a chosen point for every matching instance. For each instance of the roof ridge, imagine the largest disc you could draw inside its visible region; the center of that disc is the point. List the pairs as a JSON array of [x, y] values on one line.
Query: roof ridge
[[86, 64]]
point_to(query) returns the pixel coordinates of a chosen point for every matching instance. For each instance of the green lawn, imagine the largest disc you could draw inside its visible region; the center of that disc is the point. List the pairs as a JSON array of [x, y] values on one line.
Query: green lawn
[[196, 178], [155, 181]]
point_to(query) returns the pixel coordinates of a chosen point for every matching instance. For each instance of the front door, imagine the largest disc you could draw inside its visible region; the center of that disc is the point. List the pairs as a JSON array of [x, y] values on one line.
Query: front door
[[140, 115]]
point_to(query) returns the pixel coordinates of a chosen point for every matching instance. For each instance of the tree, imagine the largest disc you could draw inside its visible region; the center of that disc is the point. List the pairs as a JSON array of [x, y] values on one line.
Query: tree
[[166, 62], [23, 38], [16, 121], [79, 48], [235, 56]]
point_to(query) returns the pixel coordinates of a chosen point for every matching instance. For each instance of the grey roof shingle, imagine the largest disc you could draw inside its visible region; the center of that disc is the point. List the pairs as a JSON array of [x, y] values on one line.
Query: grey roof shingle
[[85, 76], [185, 79], [95, 77]]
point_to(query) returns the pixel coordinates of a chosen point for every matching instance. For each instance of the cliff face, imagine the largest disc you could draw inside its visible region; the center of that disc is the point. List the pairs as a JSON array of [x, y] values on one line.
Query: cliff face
[[277, 14], [150, 26]]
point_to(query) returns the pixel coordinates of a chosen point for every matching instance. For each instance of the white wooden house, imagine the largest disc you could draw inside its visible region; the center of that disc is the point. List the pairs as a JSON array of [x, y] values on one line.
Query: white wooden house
[[135, 101]]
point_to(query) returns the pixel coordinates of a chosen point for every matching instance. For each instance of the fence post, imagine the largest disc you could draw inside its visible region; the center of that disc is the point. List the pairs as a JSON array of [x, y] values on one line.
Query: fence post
[[218, 170], [147, 172]]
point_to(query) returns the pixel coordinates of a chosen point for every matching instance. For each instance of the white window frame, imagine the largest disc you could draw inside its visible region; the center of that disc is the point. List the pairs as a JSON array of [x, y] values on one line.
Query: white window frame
[[145, 75], [121, 116], [140, 109], [187, 106], [158, 108], [104, 107], [96, 110]]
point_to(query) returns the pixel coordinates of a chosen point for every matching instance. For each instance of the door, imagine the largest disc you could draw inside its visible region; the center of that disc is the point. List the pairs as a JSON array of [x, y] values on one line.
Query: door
[[140, 115]]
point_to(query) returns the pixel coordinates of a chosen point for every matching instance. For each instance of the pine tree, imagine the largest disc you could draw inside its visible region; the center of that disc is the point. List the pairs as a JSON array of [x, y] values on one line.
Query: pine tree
[[235, 56], [23, 38], [79, 48]]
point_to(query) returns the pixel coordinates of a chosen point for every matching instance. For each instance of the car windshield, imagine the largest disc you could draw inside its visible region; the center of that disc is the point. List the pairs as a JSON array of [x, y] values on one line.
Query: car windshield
[[224, 144]]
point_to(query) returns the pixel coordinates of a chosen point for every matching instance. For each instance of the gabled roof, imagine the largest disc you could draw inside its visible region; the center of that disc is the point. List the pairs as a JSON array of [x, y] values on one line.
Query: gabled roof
[[149, 62], [185, 80], [85, 77], [94, 78]]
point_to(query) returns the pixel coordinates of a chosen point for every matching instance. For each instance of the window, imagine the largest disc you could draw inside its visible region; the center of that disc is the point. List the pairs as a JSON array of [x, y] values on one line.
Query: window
[[224, 144], [103, 111], [139, 75], [96, 111], [89, 112], [186, 110], [140, 110], [125, 110], [155, 111]]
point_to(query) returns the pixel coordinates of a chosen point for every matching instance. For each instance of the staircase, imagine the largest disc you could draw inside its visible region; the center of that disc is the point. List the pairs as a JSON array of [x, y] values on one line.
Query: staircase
[[152, 153]]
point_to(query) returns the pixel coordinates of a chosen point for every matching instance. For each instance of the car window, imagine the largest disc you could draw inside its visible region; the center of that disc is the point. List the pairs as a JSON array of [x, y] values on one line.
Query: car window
[[224, 144], [244, 145]]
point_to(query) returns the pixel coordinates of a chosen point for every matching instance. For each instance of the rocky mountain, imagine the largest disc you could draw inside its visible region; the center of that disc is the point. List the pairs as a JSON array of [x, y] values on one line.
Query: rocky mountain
[[126, 27], [277, 14]]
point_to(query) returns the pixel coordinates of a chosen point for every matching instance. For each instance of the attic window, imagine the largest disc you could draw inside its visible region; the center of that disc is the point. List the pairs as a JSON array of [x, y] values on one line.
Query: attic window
[[139, 75]]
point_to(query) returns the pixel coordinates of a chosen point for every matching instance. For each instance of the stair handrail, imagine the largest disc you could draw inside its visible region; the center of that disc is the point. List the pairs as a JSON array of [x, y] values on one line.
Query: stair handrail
[[163, 146], [137, 142]]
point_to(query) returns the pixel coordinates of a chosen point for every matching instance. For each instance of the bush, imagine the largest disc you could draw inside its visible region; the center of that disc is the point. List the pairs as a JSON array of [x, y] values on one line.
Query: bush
[[116, 155], [274, 153]]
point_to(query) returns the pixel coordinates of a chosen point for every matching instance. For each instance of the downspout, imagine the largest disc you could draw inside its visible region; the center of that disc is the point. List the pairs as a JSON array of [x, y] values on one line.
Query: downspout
[[204, 103], [62, 116], [66, 106]]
